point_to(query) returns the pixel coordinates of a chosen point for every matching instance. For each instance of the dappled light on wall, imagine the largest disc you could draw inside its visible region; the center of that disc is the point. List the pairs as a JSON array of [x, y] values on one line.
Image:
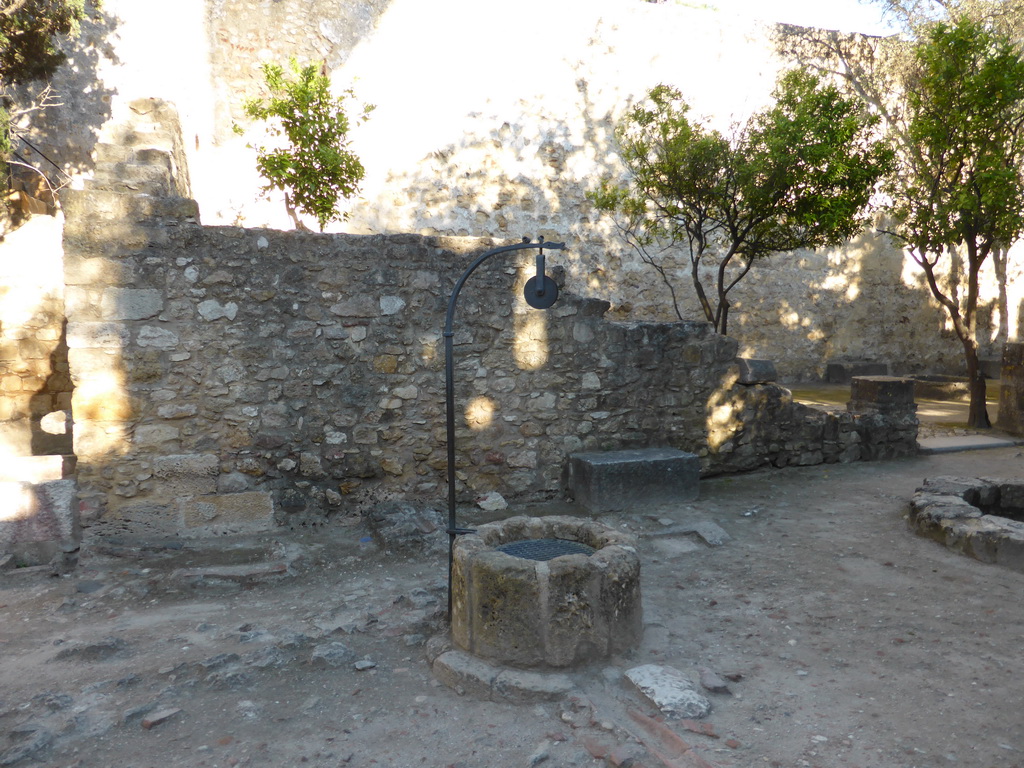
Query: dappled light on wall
[[725, 414], [480, 412], [16, 502], [530, 345]]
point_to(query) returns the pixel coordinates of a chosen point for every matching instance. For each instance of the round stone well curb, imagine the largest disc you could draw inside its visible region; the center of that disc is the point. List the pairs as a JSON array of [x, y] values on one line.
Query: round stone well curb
[[951, 511], [525, 613]]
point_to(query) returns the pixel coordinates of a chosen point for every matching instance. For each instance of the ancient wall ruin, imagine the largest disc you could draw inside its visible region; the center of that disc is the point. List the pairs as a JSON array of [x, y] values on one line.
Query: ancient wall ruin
[[495, 125], [230, 378]]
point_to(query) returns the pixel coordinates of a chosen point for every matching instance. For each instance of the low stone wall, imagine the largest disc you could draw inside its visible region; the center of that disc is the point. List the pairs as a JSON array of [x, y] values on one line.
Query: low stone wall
[[761, 426], [229, 379]]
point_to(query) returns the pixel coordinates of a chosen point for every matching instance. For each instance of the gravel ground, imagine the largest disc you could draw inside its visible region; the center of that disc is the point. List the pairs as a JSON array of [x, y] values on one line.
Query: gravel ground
[[847, 640]]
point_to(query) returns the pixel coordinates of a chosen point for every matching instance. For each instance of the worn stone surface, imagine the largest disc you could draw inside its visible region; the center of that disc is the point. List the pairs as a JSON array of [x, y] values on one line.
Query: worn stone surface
[[38, 512], [1011, 390], [881, 394], [669, 690], [468, 674], [982, 518], [756, 371], [633, 479], [555, 613], [404, 527]]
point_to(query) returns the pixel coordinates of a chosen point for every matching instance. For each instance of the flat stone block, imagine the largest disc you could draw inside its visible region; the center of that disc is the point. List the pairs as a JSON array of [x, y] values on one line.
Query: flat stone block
[[522, 687], [633, 479], [881, 394], [467, 674], [669, 690], [41, 512], [36, 469], [842, 372], [463, 672], [756, 371], [229, 513]]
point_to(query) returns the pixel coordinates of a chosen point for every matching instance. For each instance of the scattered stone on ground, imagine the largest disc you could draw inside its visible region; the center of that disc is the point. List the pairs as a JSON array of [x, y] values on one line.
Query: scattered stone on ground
[[669, 690], [844, 638]]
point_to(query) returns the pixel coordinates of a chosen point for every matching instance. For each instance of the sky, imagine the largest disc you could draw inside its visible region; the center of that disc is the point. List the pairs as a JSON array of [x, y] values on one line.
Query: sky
[[845, 15]]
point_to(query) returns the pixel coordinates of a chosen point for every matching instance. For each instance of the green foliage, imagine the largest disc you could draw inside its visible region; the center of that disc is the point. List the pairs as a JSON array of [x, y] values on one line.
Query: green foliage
[[799, 174], [960, 186], [315, 169], [962, 180], [28, 32]]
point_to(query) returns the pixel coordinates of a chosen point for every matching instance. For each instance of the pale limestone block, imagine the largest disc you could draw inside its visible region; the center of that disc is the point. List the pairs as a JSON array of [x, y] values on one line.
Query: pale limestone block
[[669, 690], [155, 435], [97, 336], [154, 336], [228, 512], [131, 304], [211, 310]]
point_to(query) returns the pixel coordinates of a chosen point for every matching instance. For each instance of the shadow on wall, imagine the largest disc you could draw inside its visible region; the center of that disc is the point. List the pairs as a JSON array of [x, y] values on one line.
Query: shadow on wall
[[861, 296], [516, 176], [64, 132], [50, 407]]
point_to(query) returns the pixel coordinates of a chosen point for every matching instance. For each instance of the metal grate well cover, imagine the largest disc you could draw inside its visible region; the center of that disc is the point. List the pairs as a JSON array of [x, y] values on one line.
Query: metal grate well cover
[[544, 549]]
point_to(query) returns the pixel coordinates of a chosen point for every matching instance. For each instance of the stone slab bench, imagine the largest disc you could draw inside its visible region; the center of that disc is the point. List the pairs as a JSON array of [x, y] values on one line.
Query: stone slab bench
[[623, 480]]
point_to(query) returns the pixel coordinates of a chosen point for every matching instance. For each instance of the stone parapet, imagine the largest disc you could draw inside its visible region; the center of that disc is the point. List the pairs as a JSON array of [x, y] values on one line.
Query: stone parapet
[[881, 394], [1011, 390], [633, 480]]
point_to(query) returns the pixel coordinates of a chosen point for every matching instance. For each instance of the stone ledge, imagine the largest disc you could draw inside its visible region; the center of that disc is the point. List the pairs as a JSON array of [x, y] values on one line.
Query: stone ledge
[[465, 673], [631, 479], [944, 509]]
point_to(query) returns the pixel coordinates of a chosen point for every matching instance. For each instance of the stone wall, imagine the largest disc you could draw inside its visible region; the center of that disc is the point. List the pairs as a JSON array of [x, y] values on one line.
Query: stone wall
[[229, 379], [35, 386], [261, 375], [37, 494], [467, 143]]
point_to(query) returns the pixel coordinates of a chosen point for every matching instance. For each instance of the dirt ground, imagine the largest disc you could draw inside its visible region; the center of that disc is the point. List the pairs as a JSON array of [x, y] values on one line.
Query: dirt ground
[[852, 643]]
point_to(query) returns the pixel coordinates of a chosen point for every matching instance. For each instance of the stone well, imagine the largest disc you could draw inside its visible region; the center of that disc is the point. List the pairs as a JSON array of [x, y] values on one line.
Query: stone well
[[980, 517], [525, 612]]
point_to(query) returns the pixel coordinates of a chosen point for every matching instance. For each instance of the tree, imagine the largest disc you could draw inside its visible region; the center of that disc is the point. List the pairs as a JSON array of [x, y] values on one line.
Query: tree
[[960, 181], [798, 174], [29, 30], [316, 170], [28, 33]]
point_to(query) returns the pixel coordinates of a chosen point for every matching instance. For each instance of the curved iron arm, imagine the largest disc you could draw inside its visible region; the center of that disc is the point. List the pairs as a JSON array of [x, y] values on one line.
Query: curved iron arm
[[542, 286]]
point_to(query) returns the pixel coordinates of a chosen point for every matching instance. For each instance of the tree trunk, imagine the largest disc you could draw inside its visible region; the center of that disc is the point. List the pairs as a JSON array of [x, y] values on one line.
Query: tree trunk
[[977, 416]]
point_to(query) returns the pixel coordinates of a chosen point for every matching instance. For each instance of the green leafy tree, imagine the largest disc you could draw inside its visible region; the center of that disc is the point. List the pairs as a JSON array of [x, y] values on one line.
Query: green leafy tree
[[959, 189], [798, 174], [29, 30], [316, 169], [29, 33]]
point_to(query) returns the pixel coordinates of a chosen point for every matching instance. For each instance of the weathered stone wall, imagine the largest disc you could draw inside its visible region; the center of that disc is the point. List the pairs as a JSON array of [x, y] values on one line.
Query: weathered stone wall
[[759, 425], [37, 496], [228, 378], [468, 143], [35, 386], [249, 372]]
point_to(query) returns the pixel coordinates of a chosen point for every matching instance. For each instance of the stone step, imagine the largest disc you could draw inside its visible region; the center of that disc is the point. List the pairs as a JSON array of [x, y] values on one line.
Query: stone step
[[95, 205], [634, 479], [138, 136]]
